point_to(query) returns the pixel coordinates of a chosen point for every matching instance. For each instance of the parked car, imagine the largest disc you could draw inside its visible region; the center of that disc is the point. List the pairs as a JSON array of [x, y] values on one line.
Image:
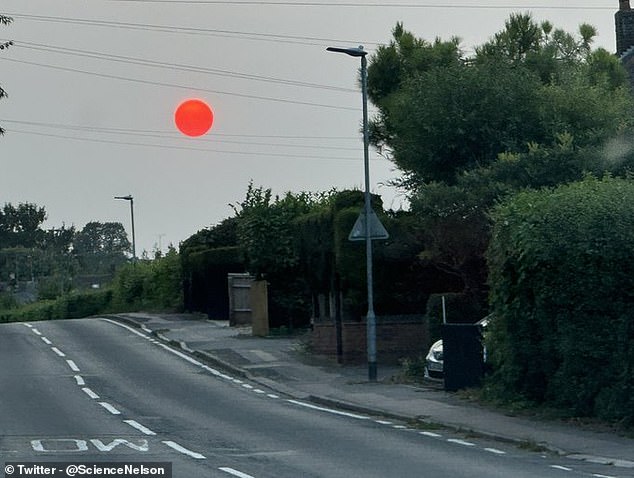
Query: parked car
[[434, 359]]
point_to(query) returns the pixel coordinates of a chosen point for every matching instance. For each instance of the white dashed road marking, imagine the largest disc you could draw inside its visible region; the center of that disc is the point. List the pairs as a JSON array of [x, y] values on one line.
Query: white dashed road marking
[[233, 472], [73, 366], [90, 393], [138, 426], [58, 351], [184, 451], [110, 408]]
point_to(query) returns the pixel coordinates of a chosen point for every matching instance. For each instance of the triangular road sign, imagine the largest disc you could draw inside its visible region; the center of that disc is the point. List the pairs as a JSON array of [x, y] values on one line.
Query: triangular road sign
[[377, 230]]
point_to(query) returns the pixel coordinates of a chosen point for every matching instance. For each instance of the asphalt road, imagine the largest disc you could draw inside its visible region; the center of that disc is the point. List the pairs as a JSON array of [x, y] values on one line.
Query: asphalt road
[[94, 390]]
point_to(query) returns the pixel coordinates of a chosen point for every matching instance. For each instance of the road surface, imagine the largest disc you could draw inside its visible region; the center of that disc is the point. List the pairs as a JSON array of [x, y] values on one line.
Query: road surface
[[94, 390]]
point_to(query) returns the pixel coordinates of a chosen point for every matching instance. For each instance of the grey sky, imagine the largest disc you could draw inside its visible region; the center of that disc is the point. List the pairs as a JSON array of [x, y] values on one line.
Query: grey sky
[[88, 117]]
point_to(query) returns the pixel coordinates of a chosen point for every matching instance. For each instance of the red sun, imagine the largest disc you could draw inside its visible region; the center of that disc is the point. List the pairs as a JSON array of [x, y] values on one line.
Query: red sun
[[193, 117]]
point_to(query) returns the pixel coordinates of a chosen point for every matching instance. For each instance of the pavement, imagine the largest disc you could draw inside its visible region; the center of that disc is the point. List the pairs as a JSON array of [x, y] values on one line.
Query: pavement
[[286, 366]]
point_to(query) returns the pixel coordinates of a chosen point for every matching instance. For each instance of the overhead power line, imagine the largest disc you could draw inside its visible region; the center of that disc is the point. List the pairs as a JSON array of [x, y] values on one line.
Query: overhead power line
[[149, 131], [174, 66], [360, 5], [216, 138], [188, 148], [274, 37], [173, 85]]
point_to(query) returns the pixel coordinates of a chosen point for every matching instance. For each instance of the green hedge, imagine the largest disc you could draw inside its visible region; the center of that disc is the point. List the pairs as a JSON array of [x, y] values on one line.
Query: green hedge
[[71, 306], [149, 285], [562, 292]]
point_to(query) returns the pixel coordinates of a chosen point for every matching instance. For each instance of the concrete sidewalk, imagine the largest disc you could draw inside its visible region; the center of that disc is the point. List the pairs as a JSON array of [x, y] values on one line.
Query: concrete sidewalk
[[284, 364]]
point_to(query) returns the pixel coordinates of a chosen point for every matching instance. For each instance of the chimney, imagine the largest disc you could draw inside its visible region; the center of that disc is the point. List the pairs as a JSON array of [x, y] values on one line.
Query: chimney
[[624, 20]]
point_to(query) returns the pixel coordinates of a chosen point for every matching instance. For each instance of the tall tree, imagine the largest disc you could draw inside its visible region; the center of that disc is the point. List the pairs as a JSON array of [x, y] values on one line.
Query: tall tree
[[527, 85], [530, 109], [20, 226], [101, 246]]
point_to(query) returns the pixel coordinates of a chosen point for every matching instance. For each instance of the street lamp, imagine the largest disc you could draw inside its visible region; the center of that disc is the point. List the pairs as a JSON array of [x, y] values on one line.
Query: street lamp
[[359, 52], [131, 199]]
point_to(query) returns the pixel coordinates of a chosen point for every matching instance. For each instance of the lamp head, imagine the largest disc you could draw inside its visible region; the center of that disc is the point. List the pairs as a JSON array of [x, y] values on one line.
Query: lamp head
[[357, 52]]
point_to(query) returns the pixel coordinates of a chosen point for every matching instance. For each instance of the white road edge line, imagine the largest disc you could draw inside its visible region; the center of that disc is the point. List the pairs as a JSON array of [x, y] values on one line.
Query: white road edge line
[[138, 426], [233, 472], [36, 332], [431, 434], [185, 451], [559, 467], [110, 408], [495, 451], [131, 329], [329, 410], [190, 359], [175, 352], [79, 380], [28, 325], [58, 351], [90, 393], [460, 442], [73, 366]]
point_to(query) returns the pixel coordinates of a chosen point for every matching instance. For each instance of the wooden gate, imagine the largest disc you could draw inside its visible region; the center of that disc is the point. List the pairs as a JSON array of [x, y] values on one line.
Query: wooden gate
[[239, 298]]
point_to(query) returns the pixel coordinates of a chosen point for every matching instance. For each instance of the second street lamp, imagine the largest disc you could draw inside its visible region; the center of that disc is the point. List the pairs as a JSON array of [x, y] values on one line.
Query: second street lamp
[[359, 52], [131, 199]]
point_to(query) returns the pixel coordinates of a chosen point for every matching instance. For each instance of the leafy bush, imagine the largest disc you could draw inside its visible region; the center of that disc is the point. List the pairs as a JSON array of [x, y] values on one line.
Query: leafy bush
[[562, 291], [7, 301], [71, 306], [151, 285]]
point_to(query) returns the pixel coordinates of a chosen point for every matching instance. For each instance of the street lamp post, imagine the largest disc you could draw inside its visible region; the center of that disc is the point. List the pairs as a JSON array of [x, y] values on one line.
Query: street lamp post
[[370, 318], [131, 199]]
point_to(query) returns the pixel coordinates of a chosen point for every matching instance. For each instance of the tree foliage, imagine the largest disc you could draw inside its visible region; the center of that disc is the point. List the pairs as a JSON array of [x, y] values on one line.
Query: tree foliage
[[534, 107], [562, 292], [102, 246], [20, 226], [265, 231], [441, 113]]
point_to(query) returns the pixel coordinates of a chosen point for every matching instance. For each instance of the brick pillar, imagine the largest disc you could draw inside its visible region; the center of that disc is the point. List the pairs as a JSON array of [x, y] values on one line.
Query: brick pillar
[[624, 20]]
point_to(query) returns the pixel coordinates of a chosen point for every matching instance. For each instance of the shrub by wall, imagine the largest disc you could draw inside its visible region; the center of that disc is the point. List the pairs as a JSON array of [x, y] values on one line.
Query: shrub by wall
[[562, 293]]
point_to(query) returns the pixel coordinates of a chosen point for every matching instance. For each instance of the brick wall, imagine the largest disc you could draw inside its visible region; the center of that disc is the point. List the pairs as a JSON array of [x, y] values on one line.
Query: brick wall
[[396, 338], [624, 20]]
